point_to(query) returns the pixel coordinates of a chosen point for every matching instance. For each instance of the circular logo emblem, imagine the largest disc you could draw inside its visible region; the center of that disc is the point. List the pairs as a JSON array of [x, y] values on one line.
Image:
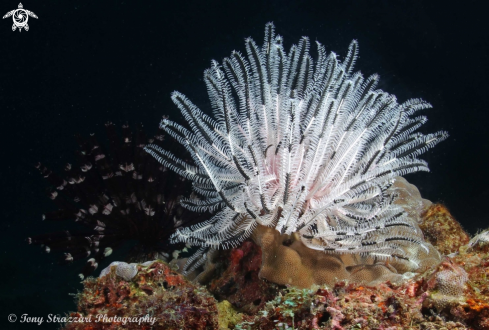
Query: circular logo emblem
[[20, 17]]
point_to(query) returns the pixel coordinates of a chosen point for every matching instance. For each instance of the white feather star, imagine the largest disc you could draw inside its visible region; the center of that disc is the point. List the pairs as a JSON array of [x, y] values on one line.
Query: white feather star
[[302, 145]]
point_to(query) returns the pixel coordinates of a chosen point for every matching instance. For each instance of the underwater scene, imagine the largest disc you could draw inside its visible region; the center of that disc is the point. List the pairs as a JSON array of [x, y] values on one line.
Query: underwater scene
[[245, 165]]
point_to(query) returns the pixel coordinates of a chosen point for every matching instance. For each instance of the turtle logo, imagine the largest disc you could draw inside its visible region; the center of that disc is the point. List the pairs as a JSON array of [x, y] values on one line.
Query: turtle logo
[[20, 17]]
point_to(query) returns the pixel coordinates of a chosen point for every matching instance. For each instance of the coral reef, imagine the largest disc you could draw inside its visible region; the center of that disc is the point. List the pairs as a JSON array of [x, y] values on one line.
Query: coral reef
[[442, 230], [239, 283], [471, 263], [233, 276], [348, 306], [156, 290], [447, 285], [454, 294], [229, 317]]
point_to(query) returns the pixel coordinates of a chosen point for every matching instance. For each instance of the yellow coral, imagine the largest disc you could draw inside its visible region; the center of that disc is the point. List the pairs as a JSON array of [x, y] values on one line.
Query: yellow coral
[[228, 316]]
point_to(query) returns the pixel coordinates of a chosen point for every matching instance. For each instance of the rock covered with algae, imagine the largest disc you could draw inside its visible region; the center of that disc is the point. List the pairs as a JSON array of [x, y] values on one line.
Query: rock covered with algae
[[451, 294], [454, 294], [442, 230], [156, 291]]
